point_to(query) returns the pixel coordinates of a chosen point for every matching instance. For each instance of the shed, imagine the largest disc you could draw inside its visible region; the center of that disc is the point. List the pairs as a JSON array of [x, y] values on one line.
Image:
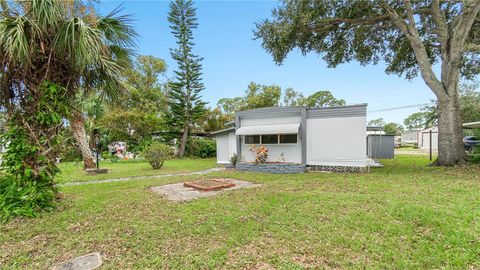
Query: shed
[[423, 138], [380, 146]]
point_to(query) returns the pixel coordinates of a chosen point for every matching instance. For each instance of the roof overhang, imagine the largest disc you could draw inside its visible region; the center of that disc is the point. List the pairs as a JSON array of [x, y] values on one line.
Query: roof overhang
[[472, 125], [269, 129], [230, 129]]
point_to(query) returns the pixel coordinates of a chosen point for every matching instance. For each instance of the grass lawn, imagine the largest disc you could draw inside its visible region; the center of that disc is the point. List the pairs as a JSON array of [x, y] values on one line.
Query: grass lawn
[[403, 216], [73, 171]]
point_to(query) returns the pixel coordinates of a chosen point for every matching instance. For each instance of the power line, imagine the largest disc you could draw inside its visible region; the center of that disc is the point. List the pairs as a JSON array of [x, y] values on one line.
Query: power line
[[401, 107]]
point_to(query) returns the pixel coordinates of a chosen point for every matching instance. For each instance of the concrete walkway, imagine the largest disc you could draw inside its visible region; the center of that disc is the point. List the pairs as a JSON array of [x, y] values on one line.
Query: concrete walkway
[[140, 177]]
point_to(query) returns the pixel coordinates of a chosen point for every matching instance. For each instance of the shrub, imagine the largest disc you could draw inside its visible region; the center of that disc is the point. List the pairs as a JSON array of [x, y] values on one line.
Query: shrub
[[234, 159], [202, 148], [156, 153], [475, 155]]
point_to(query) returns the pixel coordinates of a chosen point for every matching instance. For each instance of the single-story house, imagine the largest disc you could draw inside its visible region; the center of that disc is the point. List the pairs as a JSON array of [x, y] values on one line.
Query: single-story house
[[330, 138], [423, 138], [410, 137]]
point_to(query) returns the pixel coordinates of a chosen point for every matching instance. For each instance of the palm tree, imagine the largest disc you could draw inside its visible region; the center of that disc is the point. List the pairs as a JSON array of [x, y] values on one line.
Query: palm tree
[[64, 42]]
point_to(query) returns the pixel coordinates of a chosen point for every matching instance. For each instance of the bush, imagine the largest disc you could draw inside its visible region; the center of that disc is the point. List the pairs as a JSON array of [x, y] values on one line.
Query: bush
[[156, 153], [234, 159], [202, 148], [475, 155]]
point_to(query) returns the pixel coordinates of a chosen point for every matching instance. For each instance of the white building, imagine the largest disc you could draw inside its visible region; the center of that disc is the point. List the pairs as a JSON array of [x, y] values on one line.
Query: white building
[[423, 138], [410, 137], [329, 137]]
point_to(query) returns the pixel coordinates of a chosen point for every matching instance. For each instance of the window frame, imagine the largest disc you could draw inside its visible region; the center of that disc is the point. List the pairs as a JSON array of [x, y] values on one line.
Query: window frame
[[261, 139], [277, 143], [245, 139], [295, 143]]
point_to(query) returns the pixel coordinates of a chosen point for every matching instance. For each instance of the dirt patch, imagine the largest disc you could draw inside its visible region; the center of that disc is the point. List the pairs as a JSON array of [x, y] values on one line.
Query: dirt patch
[[178, 192]]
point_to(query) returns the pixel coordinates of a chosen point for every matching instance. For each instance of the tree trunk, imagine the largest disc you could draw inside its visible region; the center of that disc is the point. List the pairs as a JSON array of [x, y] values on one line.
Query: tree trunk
[[77, 123], [450, 132], [183, 144]]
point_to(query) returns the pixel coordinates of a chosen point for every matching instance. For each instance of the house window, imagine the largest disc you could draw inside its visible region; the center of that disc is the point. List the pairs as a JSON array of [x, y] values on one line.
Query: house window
[[288, 138], [270, 139], [252, 139]]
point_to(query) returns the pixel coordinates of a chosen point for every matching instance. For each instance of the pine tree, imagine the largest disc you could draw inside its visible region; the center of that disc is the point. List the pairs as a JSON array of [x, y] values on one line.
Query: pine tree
[[185, 102]]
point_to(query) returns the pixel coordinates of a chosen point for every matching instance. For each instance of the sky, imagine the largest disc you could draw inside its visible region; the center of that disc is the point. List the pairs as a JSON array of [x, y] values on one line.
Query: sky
[[233, 59]]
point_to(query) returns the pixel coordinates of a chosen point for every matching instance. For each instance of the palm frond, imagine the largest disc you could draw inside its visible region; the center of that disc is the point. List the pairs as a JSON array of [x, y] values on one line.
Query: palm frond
[[17, 33], [118, 29]]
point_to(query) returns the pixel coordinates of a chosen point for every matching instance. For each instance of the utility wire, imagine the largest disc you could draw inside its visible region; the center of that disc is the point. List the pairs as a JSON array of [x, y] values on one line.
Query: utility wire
[[401, 107]]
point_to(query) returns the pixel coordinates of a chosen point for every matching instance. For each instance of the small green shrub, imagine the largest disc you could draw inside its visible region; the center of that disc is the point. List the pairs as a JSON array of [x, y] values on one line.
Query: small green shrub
[[234, 159], [156, 153], [202, 148], [114, 158], [475, 154]]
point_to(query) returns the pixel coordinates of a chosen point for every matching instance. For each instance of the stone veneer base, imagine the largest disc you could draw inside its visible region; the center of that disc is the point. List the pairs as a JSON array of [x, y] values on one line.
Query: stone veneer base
[[337, 169], [281, 168]]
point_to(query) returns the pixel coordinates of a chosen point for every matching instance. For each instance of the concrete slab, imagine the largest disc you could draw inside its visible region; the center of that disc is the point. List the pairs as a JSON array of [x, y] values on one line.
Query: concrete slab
[[178, 193]]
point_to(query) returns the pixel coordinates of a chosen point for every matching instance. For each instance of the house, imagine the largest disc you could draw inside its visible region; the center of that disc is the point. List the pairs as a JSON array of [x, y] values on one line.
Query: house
[[371, 130], [410, 137], [423, 138], [330, 138]]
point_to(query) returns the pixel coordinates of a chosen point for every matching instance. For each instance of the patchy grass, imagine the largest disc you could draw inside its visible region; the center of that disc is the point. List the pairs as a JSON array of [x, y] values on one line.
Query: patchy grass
[[403, 216], [73, 171]]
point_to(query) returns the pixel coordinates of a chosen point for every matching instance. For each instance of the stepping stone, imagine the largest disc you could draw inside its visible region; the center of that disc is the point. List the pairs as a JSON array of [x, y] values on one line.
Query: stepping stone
[[86, 262]]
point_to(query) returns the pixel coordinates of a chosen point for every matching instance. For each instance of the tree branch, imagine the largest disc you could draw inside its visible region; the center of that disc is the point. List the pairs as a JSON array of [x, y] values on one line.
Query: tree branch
[[442, 27], [410, 31]]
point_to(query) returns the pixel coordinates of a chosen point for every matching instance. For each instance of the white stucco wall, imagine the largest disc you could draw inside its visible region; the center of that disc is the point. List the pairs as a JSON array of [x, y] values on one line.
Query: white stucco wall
[[336, 141]]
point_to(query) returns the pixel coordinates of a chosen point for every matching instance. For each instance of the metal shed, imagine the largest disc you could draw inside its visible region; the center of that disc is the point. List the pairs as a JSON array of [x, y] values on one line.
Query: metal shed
[[380, 146]]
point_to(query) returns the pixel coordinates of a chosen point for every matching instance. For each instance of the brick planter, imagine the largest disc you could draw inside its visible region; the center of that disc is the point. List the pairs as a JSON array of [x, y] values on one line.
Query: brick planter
[[281, 168]]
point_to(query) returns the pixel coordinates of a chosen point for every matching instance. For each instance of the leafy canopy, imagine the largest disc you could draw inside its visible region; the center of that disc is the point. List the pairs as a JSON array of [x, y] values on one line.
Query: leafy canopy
[[342, 31]]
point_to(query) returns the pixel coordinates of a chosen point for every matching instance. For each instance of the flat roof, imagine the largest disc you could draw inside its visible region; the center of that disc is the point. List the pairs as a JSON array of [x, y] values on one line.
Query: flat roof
[[472, 125], [223, 130]]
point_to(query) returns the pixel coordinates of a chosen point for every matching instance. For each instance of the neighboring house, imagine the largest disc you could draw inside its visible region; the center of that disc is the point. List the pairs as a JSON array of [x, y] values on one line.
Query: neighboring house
[[324, 137], [410, 137], [371, 130], [423, 138]]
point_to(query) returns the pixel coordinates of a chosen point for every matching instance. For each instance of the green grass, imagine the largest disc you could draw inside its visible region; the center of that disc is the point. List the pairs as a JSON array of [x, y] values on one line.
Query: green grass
[[403, 216], [73, 171]]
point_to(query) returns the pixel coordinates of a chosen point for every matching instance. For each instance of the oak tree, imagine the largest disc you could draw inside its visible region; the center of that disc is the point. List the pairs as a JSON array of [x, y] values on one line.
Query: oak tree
[[412, 37]]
